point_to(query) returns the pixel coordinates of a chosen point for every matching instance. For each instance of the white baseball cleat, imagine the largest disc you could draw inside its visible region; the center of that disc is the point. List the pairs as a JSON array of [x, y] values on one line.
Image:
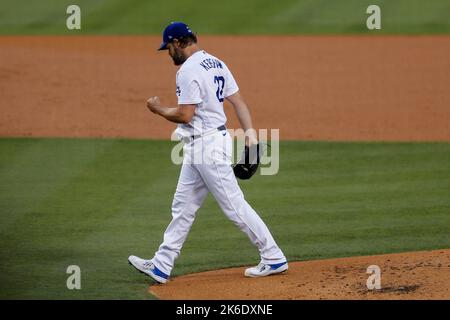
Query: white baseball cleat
[[147, 267], [262, 269]]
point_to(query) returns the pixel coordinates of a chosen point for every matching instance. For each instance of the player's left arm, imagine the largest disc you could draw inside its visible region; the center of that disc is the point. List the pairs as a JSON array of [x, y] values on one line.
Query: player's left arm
[[181, 114], [244, 116]]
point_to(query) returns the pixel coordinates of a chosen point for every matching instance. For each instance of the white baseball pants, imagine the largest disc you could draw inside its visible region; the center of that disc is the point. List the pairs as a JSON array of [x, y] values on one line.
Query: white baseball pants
[[206, 168]]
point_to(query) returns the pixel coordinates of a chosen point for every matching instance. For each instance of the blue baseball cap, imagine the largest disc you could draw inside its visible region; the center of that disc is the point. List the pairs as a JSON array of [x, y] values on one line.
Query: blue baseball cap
[[175, 30]]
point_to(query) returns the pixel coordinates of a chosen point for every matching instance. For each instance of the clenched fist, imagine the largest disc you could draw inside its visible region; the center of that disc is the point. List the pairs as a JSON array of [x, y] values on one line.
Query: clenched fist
[[153, 103]]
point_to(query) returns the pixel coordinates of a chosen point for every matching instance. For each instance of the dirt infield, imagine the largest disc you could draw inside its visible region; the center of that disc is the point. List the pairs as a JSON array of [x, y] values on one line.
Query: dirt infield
[[413, 275], [312, 88]]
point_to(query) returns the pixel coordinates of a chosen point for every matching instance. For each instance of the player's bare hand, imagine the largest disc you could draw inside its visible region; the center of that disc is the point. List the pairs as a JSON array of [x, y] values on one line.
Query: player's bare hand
[[250, 137], [153, 103]]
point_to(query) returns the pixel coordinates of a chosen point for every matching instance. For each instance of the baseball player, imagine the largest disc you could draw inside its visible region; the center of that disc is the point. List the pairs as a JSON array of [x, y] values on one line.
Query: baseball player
[[203, 83]]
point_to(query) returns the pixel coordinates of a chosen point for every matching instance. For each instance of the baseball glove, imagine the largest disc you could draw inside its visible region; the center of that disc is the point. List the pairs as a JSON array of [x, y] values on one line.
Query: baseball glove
[[246, 167]]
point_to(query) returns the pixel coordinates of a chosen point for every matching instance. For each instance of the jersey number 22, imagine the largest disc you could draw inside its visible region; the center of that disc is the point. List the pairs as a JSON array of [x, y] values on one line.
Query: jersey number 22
[[220, 85]]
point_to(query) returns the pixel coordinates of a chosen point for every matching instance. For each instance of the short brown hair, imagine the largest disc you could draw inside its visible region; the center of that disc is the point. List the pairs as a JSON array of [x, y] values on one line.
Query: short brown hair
[[187, 40]]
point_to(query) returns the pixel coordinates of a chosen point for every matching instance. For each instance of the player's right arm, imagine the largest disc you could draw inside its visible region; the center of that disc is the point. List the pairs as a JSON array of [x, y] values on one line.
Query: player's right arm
[[181, 114], [188, 92]]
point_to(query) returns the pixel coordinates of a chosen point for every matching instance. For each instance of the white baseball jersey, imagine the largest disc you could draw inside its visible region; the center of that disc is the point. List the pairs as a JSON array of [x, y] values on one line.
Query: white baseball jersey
[[205, 81]]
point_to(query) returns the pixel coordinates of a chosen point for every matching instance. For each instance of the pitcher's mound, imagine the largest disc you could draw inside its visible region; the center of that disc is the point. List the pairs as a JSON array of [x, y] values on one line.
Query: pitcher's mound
[[412, 275]]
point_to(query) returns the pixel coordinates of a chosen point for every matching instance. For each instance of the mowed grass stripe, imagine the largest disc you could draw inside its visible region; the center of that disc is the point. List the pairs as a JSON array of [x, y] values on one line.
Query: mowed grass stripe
[[94, 202], [225, 17]]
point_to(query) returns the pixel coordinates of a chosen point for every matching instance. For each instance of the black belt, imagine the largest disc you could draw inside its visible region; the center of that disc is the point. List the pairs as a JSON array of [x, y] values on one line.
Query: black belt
[[221, 128]]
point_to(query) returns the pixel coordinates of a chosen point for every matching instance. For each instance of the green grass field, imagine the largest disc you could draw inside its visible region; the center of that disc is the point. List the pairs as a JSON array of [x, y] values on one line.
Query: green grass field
[[92, 203], [225, 17]]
